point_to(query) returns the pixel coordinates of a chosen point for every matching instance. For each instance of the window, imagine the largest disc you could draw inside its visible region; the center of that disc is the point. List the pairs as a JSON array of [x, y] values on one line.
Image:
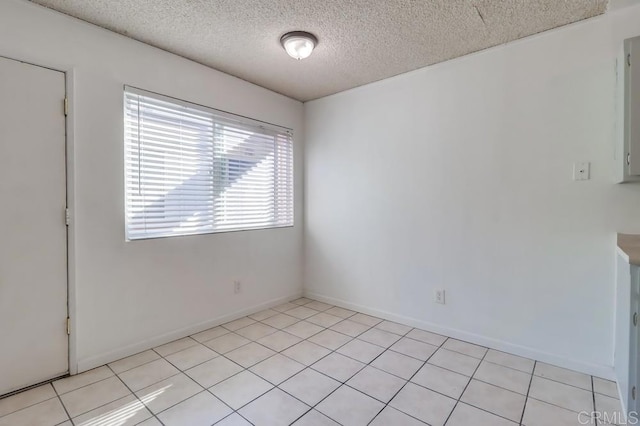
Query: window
[[194, 170]]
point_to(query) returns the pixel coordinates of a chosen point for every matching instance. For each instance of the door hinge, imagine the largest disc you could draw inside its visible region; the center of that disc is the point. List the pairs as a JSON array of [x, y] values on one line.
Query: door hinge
[[68, 326], [66, 106], [628, 159], [629, 59], [67, 217]]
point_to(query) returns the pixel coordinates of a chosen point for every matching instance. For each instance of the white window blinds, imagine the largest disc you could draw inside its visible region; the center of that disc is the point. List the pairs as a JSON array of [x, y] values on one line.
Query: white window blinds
[[194, 170]]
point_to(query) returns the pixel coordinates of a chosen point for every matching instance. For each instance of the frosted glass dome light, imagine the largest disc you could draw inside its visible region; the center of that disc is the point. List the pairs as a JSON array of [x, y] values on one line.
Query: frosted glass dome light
[[299, 44]]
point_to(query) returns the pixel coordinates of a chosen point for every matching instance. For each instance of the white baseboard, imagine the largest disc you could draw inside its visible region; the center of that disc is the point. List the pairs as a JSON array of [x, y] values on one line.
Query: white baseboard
[[604, 371], [125, 351]]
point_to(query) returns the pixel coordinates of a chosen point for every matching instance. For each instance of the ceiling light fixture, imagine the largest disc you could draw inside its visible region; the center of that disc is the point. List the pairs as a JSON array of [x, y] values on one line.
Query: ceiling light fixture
[[299, 44]]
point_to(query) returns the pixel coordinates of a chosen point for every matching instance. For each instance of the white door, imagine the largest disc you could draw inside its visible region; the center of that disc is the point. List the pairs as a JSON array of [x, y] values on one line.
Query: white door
[[33, 235]]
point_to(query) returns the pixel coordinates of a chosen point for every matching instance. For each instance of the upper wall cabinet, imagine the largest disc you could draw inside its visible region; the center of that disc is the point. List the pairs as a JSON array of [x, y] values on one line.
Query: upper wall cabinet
[[628, 145]]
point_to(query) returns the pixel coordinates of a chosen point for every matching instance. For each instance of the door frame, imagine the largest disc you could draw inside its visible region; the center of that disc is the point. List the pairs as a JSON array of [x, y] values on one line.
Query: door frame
[[69, 126]]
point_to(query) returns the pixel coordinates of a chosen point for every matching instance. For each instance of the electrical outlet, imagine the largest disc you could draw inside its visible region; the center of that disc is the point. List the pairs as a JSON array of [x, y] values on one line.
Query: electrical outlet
[[581, 171], [438, 296], [237, 287]]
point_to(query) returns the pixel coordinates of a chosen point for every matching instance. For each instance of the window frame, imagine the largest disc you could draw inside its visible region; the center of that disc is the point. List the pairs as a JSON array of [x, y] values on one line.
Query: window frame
[[241, 119]]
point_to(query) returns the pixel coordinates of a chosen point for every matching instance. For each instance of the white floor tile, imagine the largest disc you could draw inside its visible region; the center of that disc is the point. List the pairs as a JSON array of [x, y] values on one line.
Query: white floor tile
[[83, 379], [212, 333], [493, 399], [250, 354], [538, 413], [191, 357], [148, 374], [93, 396], [338, 366], [350, 328], [562, 395], [340, 312], [347, 406], [330, 339], [238, 324], [465, 348], [504, 377], [426, 337], [366, 319], [315, 418], [379, 337], [301, 312], [511, 361], [279, 341], [256, 331], [202, 409], [162, 395], [240, 389], [226, 343], [605, 387], [303, 329], [46, 413], [393, 327], [563, 375], [324, 319], [277, 369], [440, 380], [26, 399], [465, 415], [414, 348], [175, 346], [455, 361], [318, 306], [263, 315], [301, 301], [423, 404], [360, 350], [214, 371], [397, 364], [306, 352], [376, 383], [233, 420], [133, 361], [611, 408], [309, 386], [392, 417], [281, 321], [127, 411], [274, 408]]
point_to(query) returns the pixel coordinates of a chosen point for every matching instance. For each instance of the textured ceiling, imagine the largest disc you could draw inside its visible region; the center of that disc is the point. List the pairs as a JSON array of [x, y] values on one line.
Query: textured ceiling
[[360, 41]]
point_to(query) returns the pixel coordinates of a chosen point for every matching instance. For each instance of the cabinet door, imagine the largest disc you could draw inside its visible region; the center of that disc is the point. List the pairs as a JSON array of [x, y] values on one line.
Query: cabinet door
[[634, 362], [633, 103]]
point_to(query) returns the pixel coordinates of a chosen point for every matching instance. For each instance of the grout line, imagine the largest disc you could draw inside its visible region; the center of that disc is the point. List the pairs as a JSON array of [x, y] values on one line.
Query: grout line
[[134, 395], [466, 386], [61, 403], [528, 390]]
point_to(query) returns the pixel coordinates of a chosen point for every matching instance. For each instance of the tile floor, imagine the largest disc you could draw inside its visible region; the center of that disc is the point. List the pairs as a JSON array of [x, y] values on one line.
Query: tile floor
[[309, 363]]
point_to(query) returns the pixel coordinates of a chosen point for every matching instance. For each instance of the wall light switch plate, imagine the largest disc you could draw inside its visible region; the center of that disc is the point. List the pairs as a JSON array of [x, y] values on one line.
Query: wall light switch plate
[[438, 296], [581, 171]]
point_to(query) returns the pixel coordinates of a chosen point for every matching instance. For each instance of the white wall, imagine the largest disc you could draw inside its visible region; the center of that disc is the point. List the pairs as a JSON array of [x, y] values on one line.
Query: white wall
[[131, 296], [459, 176]]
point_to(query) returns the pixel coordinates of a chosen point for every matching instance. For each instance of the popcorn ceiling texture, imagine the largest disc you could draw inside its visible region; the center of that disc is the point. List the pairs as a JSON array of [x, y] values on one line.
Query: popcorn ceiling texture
[[360, 41]]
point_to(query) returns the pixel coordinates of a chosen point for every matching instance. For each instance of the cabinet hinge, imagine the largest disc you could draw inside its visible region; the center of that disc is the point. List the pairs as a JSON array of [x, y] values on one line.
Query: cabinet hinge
[[629, 60], [66, 106], [68, 326], [628, 159], [67, 217]]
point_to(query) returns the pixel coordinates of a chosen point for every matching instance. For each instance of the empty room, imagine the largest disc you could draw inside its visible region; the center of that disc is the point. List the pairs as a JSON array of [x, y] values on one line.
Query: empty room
[[319, 213]]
